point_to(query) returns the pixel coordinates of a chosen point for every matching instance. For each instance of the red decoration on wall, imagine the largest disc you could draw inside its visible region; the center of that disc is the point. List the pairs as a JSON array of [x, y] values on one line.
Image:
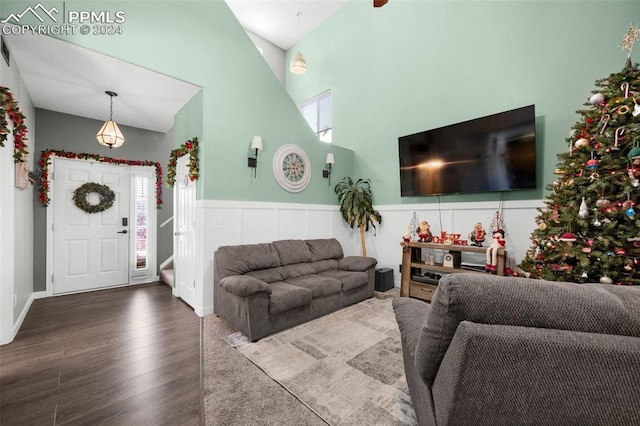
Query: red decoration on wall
[[44, 166], [9, 106], [379, 3]]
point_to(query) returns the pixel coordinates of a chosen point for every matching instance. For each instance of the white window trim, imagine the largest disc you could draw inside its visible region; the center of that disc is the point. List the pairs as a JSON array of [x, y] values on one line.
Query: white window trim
[[316, 99], [148, 274]]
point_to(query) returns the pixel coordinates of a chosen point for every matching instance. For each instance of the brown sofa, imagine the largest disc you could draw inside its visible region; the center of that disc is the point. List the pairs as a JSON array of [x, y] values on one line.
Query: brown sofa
[[261, 289], [512, 351]]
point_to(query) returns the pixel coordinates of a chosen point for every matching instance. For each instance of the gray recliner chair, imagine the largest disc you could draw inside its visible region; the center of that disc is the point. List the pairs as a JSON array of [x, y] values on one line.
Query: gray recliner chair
[[508, 351]]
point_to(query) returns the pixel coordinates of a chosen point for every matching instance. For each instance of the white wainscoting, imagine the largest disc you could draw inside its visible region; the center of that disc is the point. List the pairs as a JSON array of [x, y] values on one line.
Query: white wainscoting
[[244, 222]]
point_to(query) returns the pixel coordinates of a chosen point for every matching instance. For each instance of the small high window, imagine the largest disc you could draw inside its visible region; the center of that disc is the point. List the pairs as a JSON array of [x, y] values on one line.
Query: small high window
[[318, 113]]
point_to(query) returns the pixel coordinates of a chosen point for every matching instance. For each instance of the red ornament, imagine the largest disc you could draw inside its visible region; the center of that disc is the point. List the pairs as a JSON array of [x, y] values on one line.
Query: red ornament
[[568, 237]]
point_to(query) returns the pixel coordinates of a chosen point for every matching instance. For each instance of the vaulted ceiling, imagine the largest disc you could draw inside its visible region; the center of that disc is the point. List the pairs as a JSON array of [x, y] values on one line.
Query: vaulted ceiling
[[66, 78]]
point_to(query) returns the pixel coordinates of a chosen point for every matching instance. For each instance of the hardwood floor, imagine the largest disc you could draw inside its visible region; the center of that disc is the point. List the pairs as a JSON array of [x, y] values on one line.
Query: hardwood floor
[[126, 356]]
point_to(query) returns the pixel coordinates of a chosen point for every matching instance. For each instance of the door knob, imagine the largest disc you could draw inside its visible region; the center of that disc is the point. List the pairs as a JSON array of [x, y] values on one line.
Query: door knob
[[177, 233], [124, 231]]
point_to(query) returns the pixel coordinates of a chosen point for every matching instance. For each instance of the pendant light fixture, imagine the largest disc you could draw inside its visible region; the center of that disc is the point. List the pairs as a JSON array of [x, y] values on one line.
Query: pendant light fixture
[[110, 134], [298, 64]]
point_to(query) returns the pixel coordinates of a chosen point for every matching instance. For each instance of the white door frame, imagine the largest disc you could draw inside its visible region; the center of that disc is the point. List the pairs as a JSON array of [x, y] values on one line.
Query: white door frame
[[152, 226], [7, 241], [150, 273], [184, 269]]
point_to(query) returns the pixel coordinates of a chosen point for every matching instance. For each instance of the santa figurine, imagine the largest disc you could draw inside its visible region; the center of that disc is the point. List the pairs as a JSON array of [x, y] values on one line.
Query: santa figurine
[[477, 235], [424, 232], [497, 243]]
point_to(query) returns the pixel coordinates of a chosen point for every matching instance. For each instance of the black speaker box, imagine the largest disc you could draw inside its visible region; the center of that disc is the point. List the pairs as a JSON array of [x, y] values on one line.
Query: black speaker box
[[384, 279]]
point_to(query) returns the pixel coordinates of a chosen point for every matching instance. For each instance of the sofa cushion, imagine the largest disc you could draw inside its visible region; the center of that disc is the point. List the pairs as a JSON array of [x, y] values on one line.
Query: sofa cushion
[[292, 251], [269, 275], [320, 286], [238, 260], [286, 296], [324, 265], [243, 285], [322, 249], [349, 279], [487, 299], [298, 270], [357, 263], [410, 316]]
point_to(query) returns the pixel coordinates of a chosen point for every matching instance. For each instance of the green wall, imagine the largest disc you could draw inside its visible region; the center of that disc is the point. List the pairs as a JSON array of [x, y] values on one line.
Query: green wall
[[201, 42], [187, 125], [415, 65]]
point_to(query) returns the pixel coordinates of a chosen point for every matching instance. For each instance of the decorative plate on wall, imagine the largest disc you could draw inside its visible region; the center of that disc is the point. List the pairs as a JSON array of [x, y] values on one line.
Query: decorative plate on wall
[[292, 168]]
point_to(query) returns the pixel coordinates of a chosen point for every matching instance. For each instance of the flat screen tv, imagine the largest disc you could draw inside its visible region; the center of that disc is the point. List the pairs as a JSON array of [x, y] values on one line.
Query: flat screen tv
[[492, 153]]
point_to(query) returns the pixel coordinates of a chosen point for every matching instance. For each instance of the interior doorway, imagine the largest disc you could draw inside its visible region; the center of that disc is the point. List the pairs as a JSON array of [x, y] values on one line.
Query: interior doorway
[[184, 225]]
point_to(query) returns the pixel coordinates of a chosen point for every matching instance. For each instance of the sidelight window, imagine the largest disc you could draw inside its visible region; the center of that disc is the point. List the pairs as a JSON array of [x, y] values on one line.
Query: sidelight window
[[141, 221]]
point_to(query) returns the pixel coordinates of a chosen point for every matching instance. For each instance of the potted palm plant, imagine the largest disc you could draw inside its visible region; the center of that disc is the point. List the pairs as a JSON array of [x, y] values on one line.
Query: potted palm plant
[[356, 206]]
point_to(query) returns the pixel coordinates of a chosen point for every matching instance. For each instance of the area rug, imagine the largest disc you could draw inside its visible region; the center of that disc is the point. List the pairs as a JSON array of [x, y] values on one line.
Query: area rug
[[346, 366]]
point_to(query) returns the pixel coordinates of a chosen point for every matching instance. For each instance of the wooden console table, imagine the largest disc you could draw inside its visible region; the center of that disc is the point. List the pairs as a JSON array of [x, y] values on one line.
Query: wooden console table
[[412, 262]]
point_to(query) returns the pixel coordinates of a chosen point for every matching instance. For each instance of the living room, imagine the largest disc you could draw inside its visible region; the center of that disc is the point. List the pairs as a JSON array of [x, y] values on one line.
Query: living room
[[403, 68]]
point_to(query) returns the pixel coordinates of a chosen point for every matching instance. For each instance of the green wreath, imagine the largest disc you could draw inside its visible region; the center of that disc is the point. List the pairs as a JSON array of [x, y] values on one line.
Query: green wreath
[[107, 196]]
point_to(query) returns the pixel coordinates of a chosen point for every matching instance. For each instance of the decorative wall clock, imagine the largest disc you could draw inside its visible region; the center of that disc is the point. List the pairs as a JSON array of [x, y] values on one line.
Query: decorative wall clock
[[292, 168]]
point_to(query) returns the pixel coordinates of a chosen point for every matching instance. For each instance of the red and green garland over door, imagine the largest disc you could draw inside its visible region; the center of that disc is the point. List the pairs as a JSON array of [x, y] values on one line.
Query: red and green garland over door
[[45, 161], [590, 229], [9, 108], [189, 147]]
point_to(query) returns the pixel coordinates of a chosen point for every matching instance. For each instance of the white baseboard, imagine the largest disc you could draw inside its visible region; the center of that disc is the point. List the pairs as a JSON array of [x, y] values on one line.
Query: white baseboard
[[164, 264], [23, 314], [39, 295], [208, 310]]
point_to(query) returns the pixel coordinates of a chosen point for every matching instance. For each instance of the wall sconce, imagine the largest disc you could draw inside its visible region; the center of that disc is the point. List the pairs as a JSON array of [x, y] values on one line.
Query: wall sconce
[[256, 144], [329, 162]]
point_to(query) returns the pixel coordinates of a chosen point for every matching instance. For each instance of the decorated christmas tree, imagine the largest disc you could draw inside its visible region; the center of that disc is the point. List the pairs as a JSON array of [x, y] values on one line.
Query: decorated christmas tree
[[589, 230]]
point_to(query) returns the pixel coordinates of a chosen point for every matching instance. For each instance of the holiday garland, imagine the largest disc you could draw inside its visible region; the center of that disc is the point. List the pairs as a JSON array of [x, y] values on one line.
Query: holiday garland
[[9, 106], [107, 196], [191, 148], [45, 161]]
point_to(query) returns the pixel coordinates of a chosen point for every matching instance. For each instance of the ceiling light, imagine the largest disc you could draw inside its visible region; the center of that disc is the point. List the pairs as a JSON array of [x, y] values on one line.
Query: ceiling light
[[110, 134], [298, 64]]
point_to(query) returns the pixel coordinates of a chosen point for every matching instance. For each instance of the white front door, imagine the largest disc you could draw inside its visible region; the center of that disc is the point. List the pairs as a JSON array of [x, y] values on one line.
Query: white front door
[[90, 250], [184, 225]]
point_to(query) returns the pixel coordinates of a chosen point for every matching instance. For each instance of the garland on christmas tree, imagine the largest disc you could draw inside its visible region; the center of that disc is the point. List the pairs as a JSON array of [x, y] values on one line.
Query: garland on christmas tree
[[589, 230], [9, 107], [191, 148], [45, 161]]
